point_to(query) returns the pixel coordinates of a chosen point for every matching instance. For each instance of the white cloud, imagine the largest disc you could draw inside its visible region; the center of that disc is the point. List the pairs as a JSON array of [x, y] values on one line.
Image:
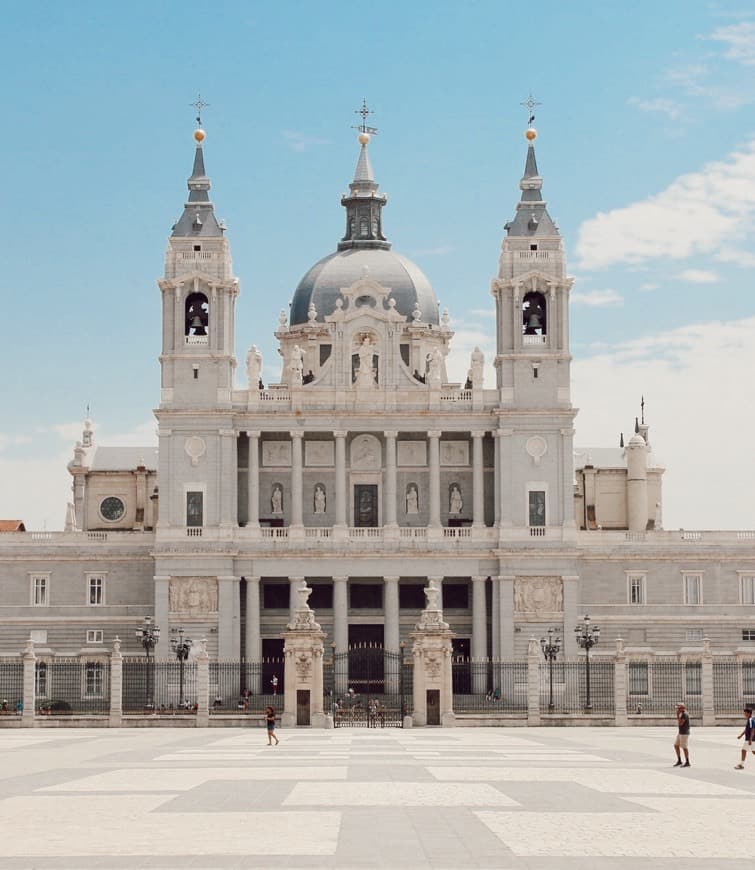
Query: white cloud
[[740, 39], [694, 381], [698, 213], [598, 298], [648, 286], [698, 276], [298, 141], [661, 105]]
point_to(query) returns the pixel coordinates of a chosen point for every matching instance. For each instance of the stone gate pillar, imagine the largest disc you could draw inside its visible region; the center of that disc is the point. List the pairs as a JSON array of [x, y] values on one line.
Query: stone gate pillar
[[709, 711], [620, 683], [116, 685], [432, 652], [303, 653], [203, 685], [30, 672]]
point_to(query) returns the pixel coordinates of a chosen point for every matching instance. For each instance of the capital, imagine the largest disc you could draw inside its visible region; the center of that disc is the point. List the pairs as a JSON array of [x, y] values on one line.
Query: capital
[[340, 433], [254, 433], [391, 433], [296, 435], [434, 433]]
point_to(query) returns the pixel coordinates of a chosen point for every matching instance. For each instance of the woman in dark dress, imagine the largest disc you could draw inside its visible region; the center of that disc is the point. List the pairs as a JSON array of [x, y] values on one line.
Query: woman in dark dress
[[270, 723]]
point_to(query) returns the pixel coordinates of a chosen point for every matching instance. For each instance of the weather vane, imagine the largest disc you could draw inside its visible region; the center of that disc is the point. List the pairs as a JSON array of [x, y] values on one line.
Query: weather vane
[[365, 113], [199, 104], [529, 104]]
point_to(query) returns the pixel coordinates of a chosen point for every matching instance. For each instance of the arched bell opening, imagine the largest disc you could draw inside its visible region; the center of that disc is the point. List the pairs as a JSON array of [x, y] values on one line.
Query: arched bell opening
[[197, 314], [534, 314]]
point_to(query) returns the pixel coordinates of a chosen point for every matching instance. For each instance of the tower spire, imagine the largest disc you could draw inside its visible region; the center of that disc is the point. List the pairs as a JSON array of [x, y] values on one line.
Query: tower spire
[[364, 203]]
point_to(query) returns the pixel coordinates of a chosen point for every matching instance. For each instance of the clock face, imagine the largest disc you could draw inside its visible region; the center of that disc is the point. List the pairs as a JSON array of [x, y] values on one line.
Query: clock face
[[112, 508]]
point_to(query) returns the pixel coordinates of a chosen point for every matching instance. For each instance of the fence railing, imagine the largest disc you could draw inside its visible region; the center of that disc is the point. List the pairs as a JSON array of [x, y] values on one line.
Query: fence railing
[[246, 687], [489, 687], [656, 686], [72, 686], [577, 687], [11, 686], [151, 686]]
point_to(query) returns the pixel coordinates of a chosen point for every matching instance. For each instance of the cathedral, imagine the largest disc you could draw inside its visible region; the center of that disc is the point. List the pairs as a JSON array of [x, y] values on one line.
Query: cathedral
[[365, 472]]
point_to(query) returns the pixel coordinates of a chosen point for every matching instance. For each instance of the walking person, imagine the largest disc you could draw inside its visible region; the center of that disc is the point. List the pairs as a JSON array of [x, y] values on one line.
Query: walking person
[[682, 738], [270, 723], [748, 734]]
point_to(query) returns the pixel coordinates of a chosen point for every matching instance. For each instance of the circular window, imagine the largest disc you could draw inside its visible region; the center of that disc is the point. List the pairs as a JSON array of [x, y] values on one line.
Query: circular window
[[112, 508]]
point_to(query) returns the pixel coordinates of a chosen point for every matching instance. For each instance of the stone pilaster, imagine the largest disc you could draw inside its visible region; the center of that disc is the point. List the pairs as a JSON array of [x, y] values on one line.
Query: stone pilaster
[[432, 651], [389, 500], [229, 632], [297, 493], [392, 635], [341, 500], [303, 658], [620, 683], [434, 529], [116, 685], [478, 500], [203, 685], [253, 489], [341, 631], [253, 640], [29, 699], [479, 634], [533, 682]]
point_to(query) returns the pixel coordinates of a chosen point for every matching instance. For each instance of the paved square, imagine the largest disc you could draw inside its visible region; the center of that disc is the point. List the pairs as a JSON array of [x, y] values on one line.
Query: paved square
[[352, 798]]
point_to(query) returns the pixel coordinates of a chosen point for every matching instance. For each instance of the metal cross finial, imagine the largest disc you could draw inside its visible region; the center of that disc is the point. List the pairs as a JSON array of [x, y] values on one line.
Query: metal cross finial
[[642, 406], [365, 113], [529, 104], [199, 104]]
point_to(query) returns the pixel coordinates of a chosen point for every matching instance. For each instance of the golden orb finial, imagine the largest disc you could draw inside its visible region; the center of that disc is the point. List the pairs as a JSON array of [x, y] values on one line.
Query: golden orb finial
[[531, 134], [363, 138], [199, 135]]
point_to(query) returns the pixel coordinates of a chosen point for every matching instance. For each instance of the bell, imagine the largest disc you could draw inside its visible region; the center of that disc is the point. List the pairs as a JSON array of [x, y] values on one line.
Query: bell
[[197, 324], [532, 323]]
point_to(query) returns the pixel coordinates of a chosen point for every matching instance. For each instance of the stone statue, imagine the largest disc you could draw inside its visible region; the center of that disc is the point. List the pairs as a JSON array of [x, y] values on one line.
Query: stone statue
[[366, 373], [432, 595], [475, 370], [311, 314], [320, 499], [455, 501], [296, 365], [276, 499], [282, 319], [412, 499], [435, 365], [416, 313], [253, 367]]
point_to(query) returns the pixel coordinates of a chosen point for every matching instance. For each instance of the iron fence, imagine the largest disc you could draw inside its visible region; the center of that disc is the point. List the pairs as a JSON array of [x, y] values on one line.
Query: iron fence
[[489, 686], [733, 685], [166, 687], [245, 687], [11, 686], [71, 686], [569, 687], [656, 686]]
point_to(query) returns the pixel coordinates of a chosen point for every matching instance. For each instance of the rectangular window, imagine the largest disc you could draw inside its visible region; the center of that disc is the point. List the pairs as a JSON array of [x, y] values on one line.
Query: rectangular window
[[693, 588], [194, 508], [694, 678], [40, 680], [96, 589], [537, 507], [39, 589], [636, 588], [94, 680], [748, 634], [95, 635], [38, 635], [638, 678], [695, 634], [747, 588]]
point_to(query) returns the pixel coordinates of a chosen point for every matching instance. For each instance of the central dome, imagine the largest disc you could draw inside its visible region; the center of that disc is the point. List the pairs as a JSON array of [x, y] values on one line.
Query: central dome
[[322, 284]]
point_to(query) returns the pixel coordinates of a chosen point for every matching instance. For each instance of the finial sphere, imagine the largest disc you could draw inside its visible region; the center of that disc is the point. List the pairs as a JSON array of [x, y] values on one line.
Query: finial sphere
[[199, 135], [363, 138], [531, 134]]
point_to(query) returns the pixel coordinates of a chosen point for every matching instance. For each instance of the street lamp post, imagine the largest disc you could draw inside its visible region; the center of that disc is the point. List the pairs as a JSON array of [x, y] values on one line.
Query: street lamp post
[[181, 646], [148, 635], [587, 636], [551, 646]]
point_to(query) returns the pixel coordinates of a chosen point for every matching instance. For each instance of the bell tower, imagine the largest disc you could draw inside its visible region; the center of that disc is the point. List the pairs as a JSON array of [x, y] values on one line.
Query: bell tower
[[532, 364], [198, 295]]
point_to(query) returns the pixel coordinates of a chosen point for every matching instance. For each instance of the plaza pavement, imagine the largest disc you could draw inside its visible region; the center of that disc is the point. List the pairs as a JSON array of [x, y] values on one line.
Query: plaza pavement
[[557, 798]]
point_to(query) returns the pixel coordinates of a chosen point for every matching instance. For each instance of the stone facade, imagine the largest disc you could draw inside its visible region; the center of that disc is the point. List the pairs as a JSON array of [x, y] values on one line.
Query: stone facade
[[366, 473]]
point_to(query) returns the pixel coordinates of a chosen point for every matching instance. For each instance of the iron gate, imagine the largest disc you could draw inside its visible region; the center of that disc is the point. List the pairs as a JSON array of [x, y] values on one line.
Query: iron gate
[[368, 687]]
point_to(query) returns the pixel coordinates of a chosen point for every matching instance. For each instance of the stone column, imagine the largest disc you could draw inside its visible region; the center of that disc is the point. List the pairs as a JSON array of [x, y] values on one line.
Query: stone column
[[479, 636], [392, 636], [297, 497], [29, 690], [389, 495], [162, 610], [303, 655], [116, 685], [341, 500], [505, 615], [341, 631], [533, 682], [709, 711], [253, 631], [228, 474], [496, 479], [254, 480], [620, 684], [434, 489], [229, 634], [478, 492], [495, 622], [203, 685], [503, 473], [432, 650]]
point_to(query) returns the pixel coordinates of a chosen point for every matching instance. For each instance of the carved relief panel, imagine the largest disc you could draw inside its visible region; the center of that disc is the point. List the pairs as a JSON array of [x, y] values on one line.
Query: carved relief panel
[[193, 595], [537, 596]]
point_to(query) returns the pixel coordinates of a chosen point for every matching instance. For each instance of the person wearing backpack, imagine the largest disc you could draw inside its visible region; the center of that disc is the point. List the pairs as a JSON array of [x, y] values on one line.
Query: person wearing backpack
[[748, 734]]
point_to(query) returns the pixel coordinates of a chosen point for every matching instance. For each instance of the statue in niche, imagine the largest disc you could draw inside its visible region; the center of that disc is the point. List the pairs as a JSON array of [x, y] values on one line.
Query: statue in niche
[[253, 367], [366, 373], [276, 499], [455, 501], [296, 364], [412, 499], [435, 365], [320, 499]]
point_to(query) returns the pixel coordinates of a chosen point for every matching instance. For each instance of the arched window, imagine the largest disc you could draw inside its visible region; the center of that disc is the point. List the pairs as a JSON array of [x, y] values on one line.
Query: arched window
[[364, 227], [534, 314], [197, 314]]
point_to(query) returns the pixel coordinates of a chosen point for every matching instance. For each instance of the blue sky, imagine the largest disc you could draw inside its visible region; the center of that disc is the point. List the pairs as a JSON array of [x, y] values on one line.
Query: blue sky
[[646, 144]]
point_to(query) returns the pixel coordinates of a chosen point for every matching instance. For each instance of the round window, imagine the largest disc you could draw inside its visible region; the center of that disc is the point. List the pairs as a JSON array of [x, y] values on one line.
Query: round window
[[112, 508]]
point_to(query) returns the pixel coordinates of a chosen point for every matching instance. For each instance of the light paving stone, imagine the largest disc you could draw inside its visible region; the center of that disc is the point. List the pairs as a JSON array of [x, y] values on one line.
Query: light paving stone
[[386, 794]]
